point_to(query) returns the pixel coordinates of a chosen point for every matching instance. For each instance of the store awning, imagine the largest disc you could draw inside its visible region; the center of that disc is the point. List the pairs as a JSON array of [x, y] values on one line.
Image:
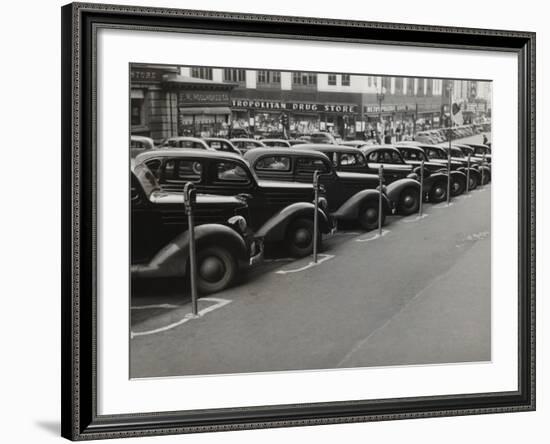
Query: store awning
[[209, 110]]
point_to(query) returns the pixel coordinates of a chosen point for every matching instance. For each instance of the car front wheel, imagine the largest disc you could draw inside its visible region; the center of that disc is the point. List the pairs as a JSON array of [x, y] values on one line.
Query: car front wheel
[[299, 238], [409, 201], [368, 215], [438, 193], [458, 186], [216, 269]]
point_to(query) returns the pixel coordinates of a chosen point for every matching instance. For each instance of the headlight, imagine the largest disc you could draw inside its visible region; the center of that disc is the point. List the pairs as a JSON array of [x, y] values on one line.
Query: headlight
[[323, 203], [239, 223], [475, 166], [384, 189]]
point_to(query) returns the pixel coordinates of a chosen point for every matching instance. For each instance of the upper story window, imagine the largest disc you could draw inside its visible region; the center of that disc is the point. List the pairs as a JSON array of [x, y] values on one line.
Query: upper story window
[[410, 87], [420, 90], [429, 87], [399, 85], [234, 75], [332, 79], [201, 73], [304, 79], [386, 83], [269, 77], [346, 80]]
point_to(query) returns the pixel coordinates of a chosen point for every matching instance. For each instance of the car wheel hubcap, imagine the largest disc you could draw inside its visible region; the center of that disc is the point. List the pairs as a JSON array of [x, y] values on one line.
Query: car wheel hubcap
[[302, 237], [409, 201], [439, 192], [371, 214], [212, 269]]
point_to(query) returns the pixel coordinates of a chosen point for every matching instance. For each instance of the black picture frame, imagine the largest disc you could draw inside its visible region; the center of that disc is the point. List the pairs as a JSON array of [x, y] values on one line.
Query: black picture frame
[[79, 396]]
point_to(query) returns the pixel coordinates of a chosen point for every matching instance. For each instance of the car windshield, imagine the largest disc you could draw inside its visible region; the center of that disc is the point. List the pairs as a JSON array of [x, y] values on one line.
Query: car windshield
[[436, 153]]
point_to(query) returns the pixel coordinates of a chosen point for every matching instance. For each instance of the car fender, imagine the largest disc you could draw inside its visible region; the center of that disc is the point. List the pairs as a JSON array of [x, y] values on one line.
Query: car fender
[[458, 175], [394, 189], [349, 210], [171, 260], [274, 229]]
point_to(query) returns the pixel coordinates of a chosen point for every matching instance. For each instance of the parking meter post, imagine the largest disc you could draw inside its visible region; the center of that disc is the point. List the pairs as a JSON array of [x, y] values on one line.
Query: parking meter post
[[315, 213], [188, 192], [468, 174], [482, 168], [381, 180], [449, 176], [421, 187]]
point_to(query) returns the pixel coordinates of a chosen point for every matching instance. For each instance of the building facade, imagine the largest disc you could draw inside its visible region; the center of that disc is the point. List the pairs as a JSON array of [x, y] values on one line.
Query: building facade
[[204, 101]]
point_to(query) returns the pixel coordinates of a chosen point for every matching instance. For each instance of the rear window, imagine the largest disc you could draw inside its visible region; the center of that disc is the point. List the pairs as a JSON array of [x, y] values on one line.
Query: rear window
[[412, 154], [309, 165], [278, 163], [352, 159], [231, 172], [184, 144]]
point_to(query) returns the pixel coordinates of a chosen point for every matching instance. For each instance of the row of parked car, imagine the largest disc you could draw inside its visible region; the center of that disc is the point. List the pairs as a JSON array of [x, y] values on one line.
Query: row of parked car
[[260, 199], [457, 132]]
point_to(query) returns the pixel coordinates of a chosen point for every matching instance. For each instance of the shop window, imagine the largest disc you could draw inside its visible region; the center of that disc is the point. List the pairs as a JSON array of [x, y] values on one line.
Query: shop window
[[278, 163], [202, 73], [269, 77], [230, 172], [234, 75], [137, 114], [304, 79], [346, 80], [332, 79]]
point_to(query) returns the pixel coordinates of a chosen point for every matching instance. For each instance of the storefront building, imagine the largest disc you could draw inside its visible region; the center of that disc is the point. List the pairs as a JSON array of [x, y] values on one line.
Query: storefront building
[[165, 103]]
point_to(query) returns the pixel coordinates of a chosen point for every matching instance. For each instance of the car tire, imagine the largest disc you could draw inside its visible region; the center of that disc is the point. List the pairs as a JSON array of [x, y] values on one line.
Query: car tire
[[486, 178], [409, 201], [438, 193], [217, 268], [473, 182], [458, 186], [299, 238], [368, 215]]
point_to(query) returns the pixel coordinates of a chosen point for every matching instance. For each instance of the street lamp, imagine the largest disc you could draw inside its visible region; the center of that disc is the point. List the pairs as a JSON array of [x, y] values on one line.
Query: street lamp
[[380, 97]]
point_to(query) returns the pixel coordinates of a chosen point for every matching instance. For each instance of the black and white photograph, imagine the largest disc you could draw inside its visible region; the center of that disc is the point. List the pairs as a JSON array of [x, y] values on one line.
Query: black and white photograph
[[299, 220]]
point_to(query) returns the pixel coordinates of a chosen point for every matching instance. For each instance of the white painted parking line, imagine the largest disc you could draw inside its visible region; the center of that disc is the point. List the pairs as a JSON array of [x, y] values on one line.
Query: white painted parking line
[[148, 307], [374, 237], [322, 258], [219, 303], [408, 220], [443, 205]]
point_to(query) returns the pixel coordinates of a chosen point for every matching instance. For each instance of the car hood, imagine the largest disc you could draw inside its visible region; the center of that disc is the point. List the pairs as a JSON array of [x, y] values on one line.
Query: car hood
[[356, 176]]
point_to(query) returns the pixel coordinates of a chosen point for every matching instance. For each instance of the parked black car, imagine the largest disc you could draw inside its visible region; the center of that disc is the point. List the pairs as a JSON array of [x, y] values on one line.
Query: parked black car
[[435, 175], [477, 163], [481, 151], [403, 188], [280, 212], [437, 154], [350, 196], [160, 238]]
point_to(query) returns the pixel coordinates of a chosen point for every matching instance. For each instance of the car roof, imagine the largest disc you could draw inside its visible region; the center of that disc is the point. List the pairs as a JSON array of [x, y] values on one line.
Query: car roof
[[144, 138], [410, 147], [191, 139], [185, 152], [244, 139], [253, 154], [327, 148], [274, 140]]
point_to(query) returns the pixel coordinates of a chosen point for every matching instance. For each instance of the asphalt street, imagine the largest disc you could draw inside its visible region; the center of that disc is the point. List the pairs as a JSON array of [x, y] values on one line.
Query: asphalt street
[[420, 294]]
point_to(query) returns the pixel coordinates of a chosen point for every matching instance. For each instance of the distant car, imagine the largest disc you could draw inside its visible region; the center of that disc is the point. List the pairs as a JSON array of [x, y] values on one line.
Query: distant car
[[437, 154], [185, 142], [458, 154], [160, 241], [220, 144], [139, 144], [276, 143], [351, 197], [246, 144], [481, 150], [280, 212], [435, 174], [322, 137]]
